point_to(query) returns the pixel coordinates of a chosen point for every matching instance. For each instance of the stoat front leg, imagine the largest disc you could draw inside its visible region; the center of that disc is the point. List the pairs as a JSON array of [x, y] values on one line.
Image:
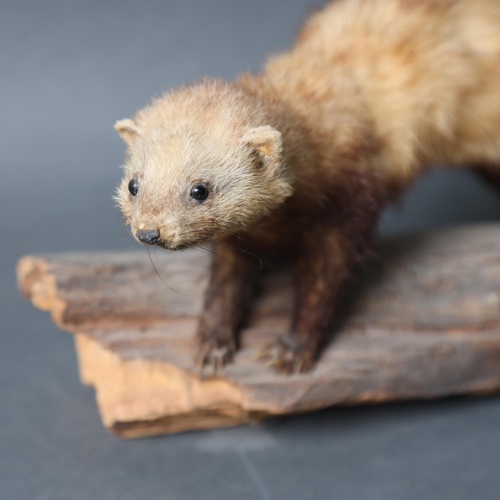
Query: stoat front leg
[[322, 265], [228, 296]]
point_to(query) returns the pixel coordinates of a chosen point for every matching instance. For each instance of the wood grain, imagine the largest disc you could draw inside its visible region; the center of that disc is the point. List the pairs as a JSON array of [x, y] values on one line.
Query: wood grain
[[422, 320]]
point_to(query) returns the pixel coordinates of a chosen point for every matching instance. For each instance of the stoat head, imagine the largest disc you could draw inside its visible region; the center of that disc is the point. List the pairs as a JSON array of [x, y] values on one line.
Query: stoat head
[[200, 166]]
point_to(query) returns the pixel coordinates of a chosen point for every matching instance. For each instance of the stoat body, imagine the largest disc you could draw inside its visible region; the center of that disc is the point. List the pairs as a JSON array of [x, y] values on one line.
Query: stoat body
[[300, 159]]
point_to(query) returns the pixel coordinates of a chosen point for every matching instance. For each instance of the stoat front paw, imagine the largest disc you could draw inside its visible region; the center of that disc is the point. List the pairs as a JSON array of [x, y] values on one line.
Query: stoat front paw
[[288, 355], [213, 354]]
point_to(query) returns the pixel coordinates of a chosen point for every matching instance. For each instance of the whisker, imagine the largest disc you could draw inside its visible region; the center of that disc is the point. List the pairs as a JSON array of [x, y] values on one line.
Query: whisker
[[243, 251], [165, 251], [159, 275], [208, 250], [135, 245], [122, 236]]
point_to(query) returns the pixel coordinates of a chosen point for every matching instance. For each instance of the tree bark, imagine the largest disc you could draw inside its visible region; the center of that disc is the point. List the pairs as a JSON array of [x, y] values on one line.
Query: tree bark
[[422, 320]]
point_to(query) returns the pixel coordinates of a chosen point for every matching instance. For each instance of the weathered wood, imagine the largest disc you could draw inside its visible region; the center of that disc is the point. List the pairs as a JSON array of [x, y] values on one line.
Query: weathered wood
[[422, 321]]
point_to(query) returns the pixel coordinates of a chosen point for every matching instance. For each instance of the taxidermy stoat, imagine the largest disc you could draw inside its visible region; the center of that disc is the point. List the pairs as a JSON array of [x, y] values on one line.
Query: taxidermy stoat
[[300, 159]]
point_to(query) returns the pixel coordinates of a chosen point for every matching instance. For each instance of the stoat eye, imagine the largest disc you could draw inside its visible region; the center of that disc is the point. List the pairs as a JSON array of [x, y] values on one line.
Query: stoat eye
[[199, 191], [133, 187]]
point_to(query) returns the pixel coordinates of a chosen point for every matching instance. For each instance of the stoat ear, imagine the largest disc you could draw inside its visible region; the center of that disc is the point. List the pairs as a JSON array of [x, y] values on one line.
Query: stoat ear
[[267, 143], [128, 130]]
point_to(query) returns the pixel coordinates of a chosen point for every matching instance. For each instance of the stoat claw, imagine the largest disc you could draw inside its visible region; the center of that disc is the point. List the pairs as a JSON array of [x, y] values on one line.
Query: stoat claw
[[213, 355], [288, 355]]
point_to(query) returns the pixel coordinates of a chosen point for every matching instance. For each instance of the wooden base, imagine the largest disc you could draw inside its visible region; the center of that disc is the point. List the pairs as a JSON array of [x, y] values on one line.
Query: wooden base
[[422, 321]]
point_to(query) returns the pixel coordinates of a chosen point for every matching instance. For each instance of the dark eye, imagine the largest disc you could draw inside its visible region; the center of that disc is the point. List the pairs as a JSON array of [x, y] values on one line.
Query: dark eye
[[133, 187], [199, 191]]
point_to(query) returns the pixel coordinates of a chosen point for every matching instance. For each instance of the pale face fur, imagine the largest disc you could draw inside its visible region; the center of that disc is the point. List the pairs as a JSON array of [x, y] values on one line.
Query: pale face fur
[[191, 136]]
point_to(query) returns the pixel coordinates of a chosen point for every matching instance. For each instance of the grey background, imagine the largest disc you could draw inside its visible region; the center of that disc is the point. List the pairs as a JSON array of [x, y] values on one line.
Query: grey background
[[68, 70]]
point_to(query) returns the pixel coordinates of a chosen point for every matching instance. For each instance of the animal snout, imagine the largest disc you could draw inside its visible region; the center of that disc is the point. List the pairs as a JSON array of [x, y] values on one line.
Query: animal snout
[[149, 236]]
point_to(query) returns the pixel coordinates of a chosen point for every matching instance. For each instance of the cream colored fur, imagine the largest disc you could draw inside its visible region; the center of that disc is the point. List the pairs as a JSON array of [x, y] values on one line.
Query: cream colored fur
[[397, 84], [211, 133], [422, 76]]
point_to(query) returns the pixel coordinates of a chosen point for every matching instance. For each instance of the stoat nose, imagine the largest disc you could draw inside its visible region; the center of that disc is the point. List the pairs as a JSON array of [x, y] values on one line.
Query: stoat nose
[[149, 236]]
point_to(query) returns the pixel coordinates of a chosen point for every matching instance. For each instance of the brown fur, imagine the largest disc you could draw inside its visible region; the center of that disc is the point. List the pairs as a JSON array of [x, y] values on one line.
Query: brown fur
[[301, 159]]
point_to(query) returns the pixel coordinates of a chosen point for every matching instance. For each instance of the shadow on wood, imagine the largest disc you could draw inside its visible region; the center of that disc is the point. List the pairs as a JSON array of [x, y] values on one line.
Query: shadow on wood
[[422, 321]]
